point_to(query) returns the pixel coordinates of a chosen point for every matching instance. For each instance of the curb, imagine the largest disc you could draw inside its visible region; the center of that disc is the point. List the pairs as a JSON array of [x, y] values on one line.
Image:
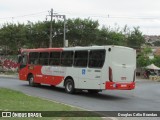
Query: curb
[[8, 76]]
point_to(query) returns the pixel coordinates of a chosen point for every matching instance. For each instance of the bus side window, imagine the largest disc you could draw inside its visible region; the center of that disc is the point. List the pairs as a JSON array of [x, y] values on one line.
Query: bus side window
[[55, 58], [43, 58], [19, 59], [96, 58], [33, 58], [24, 60], [67, 58], [81, 58]]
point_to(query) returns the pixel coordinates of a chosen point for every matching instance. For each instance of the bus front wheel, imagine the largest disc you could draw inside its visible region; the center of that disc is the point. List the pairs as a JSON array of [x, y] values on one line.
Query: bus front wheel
[[31, 80], [69, 86]]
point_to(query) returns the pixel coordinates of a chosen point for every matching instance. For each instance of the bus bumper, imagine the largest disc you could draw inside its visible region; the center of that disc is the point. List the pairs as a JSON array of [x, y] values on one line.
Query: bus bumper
[[119, 86]]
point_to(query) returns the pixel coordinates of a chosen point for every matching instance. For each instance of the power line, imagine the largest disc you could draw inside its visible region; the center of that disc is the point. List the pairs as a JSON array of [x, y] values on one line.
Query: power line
[[115, 16], [33, 14], [121, 17], [88, 15]]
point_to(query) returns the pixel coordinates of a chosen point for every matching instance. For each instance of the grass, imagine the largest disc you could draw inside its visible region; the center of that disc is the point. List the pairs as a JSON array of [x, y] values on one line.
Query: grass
[[16, 101]]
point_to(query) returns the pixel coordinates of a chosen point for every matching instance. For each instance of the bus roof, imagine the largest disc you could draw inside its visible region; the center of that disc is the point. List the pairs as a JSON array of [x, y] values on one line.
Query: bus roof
[[73, 48], [41, 49]]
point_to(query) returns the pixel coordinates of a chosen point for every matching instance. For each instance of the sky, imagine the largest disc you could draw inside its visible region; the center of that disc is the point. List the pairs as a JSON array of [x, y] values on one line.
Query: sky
[[110, 13]]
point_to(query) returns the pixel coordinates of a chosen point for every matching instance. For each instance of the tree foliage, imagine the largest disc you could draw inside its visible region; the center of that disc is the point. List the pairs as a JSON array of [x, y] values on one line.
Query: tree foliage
[[79, 32], [135, 39], [82, 32], [13, 36], [156, 43], [156, 61], [143, 58]]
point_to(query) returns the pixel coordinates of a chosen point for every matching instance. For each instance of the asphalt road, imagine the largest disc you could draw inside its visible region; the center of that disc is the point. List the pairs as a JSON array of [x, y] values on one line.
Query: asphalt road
[[145, 97]]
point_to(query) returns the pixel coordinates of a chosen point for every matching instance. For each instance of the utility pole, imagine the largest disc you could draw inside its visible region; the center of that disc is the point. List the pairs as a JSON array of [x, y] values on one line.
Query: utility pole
[[64, 36], [64, 29], [51, 30]]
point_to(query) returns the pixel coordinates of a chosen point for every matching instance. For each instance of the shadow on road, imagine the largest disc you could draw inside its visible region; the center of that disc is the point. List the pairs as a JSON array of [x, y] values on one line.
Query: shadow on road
[[84, 93]]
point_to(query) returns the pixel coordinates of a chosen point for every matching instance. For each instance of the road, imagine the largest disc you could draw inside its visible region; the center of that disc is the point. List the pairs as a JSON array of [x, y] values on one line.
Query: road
[[146, 96]]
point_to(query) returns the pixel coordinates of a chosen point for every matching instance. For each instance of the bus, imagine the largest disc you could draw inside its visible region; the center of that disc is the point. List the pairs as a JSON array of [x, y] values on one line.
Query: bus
[[93, 68]]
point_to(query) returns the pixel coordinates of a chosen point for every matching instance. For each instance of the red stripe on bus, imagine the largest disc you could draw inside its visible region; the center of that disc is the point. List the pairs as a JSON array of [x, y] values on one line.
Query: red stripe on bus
[[119, 86], [53, 80], [42, 50]]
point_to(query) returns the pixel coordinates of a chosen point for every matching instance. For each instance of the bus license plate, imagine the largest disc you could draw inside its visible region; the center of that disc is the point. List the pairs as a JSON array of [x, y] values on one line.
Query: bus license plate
[[123, 78], [123, 86]]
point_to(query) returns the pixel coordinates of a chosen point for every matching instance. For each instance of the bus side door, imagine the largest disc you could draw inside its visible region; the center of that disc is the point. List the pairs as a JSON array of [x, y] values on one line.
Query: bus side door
[[90, 77], [23, 69]]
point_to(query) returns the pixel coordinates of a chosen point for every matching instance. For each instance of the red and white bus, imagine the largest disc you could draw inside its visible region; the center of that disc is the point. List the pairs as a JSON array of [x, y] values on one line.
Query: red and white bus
[[93, 68]]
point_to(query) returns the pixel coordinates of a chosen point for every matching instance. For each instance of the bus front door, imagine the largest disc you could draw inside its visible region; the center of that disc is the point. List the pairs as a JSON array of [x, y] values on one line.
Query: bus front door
[[23, 69]]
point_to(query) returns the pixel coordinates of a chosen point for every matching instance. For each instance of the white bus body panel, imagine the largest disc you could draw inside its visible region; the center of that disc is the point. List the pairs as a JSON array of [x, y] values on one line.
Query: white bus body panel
[[122, 61]]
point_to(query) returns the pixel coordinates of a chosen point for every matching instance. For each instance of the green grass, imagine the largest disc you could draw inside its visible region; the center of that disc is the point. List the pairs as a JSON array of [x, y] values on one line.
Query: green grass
[[16, 101]]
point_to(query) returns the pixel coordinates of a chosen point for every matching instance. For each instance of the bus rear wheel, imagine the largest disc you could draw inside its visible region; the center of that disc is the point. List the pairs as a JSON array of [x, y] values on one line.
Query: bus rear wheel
[[69, 86]]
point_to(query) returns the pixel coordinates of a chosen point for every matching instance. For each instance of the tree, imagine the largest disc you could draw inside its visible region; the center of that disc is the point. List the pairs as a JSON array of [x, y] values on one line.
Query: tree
[[156, 60], [13, 36], [135, 39], [143, 58], [107, 36], [79, 32], [156, 43], [114, 38], [82, 32]]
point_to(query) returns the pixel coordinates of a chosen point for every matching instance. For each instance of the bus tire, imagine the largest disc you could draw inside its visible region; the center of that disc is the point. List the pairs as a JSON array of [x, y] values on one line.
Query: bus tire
[[69, 86], [31, 80]]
